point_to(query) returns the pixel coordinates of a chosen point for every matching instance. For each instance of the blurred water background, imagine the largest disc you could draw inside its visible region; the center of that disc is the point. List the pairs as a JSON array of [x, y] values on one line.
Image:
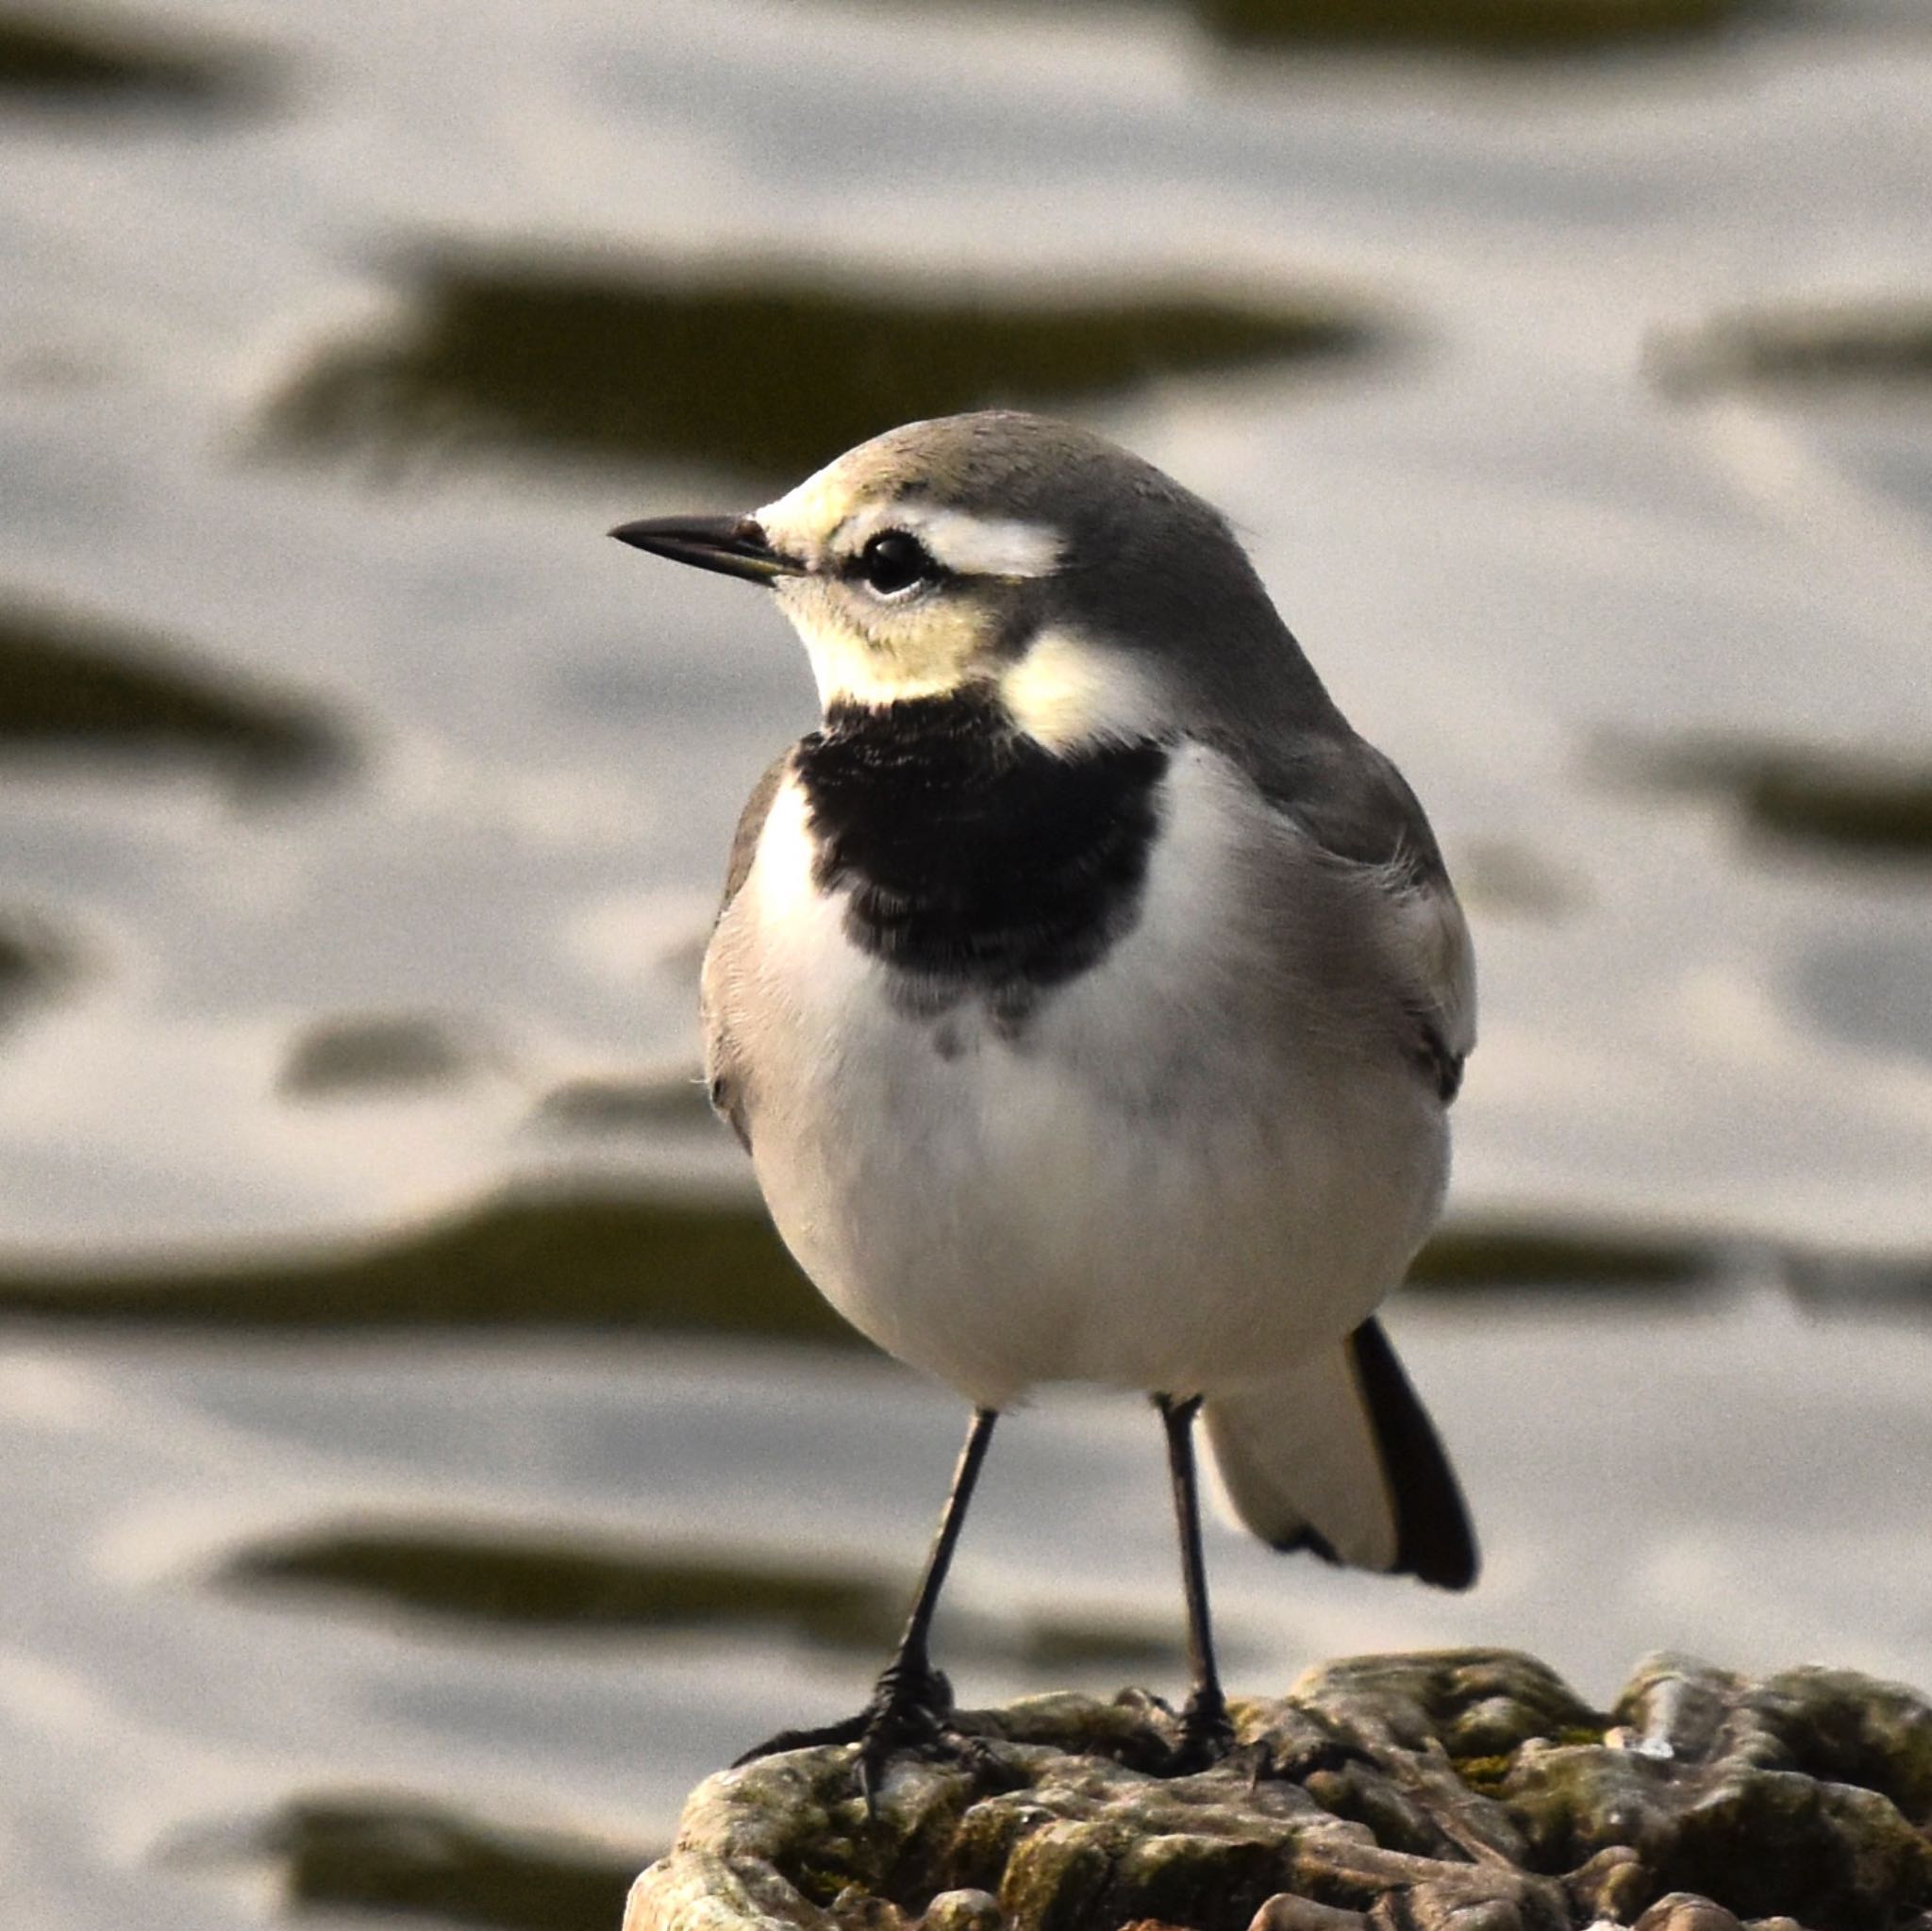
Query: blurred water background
[[420, 1466]]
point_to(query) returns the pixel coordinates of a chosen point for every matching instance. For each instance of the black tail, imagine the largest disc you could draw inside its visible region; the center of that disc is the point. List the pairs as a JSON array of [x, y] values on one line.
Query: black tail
[[1341, 1459], [1433, 1536]]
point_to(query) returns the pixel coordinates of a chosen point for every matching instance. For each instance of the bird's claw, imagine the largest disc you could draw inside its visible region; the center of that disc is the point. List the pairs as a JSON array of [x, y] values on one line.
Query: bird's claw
[[909, 1714], [1207, 1736]]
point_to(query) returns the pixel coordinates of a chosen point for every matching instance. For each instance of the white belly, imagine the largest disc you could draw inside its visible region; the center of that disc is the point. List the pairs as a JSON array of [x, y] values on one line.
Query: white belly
[[1169, 1179]]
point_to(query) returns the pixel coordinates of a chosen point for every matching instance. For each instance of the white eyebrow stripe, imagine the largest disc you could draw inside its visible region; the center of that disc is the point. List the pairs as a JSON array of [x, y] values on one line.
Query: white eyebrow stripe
[[972, 545], [819, 517]]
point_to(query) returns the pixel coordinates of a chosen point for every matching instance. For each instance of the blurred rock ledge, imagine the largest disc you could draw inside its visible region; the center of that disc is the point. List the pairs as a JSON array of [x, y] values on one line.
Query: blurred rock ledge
[[628, 359], [1468, 1789], [621, 1261]]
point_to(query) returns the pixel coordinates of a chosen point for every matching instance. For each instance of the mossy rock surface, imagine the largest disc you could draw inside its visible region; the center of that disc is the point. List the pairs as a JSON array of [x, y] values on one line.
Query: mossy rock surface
[[1382, 1793]]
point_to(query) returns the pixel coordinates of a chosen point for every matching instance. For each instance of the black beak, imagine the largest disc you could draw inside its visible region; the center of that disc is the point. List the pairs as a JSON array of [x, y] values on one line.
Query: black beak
[[733, 545]]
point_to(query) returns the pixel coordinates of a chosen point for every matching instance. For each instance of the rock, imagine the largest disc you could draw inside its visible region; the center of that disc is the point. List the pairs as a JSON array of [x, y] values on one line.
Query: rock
[[963, 1911], [1683, 1911], [1462, 1790]]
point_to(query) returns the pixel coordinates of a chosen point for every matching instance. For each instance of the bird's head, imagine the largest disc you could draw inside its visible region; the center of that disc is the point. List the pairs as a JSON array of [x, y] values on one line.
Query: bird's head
[[1001, 552]]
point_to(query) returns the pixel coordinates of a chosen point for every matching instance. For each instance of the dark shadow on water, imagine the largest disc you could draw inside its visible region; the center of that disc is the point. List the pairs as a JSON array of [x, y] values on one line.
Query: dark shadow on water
[[523, 1258], [1871, 991], [356, 1054], [1559, 1257], [1477, 29], [36, 962], [86, 688], [76, 56], [1512, 880], [551, 1584], [1848, 804], [1495, 28], [1884, 345], [607, 1105], [389, 1852], [618, 1262], [766, 373], [1882, 1285]]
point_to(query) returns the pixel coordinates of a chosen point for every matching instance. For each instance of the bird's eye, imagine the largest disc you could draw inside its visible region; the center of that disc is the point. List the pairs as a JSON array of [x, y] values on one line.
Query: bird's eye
[[892, 561]]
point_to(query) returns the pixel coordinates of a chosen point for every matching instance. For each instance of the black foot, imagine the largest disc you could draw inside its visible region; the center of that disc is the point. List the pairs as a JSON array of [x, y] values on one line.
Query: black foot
[[911, 1713], [1207, 1736]]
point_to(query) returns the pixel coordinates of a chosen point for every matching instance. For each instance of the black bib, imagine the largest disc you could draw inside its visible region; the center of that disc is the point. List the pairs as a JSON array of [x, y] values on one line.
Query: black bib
[[972, 858]]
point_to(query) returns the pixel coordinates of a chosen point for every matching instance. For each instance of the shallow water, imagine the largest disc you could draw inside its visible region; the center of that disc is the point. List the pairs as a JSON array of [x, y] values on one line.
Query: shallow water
[[1585, 516]]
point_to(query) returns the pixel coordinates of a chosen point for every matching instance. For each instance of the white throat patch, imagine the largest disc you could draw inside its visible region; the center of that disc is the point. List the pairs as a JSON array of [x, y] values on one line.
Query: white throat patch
[[848, 668]]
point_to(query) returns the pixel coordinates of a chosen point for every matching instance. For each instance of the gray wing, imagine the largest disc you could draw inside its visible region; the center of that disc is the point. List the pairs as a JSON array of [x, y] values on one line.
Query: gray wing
[[723, 1074], [751, 824], [1352, 802]]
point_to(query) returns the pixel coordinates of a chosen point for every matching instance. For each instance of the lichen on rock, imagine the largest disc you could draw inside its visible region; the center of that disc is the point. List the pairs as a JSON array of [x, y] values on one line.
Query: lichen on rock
[[1466, 1788]]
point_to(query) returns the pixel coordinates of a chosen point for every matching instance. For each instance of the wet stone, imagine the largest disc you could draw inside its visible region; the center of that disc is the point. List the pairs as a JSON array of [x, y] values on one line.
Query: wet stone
[[1459, 1790], [963, 1911], [1683, 1910]]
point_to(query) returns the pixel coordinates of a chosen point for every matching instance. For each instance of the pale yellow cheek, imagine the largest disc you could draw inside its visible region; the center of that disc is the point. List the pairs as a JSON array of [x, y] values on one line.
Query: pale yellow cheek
[[923, 654], [1066, 691]]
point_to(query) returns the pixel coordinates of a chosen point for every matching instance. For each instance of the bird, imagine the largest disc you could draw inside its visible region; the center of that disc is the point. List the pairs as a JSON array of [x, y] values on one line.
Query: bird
[[1090, 998]]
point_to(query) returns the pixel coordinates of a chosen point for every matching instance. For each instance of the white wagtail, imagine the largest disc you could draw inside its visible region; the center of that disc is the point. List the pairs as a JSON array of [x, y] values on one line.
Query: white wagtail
[[1088, 995]]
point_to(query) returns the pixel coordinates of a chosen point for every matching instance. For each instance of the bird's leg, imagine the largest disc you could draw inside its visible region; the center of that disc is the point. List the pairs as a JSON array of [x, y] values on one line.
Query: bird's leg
[[912, 1701], [1207, 1736]]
